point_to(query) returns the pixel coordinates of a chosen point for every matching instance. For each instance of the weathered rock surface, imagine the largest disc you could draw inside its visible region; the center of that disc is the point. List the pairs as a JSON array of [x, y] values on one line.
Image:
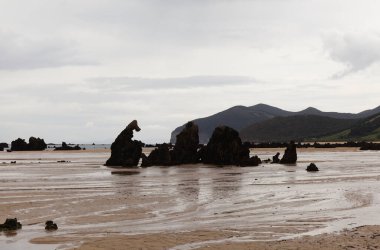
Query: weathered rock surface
[[125, 151], [35, 144], [67, 147], [160, 156], [225, 148], [312, 168], [185, 149], [290, 155], [10, 224]]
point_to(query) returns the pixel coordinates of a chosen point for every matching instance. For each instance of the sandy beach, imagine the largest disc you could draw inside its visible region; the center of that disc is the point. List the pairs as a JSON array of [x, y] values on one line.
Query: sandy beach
[[191, 206]]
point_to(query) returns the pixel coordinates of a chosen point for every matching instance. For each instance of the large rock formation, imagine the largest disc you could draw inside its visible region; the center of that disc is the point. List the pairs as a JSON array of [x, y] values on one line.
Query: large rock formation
[[225, 148], [35, 144], [185, 149], [290, 155], [125, 151], [67, 147]]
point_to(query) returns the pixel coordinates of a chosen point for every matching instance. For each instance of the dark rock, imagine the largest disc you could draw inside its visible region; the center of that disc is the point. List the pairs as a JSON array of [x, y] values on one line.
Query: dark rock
[[276, 158], [225, 148], [67, 147], [35, 144], [10, 224], [50, 225], [312, 168], [125, 151], [185, 149], [160, 156], [19, 145], [3, 146], [290, 155], [370, 146], [13, 162]]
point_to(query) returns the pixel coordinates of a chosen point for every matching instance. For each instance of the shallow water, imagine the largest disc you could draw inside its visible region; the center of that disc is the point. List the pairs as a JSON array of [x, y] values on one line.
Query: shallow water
[[267, 202]]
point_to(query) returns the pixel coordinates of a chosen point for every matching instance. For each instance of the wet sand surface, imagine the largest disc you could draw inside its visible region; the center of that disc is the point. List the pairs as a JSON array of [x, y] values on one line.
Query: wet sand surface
[[185, 207]]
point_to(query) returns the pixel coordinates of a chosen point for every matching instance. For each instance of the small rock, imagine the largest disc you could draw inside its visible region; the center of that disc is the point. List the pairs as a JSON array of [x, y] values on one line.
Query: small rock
[[10, 224], [50, 225], [312, 168]]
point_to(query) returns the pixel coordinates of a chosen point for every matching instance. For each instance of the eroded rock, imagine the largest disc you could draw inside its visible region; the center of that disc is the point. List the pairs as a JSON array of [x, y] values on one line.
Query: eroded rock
[[125, 151], [290, 155], [225, 148], [185, 149]]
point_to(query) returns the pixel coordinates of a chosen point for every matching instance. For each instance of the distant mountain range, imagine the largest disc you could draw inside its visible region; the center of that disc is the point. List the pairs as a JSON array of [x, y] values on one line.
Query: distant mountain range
[[262, 122]]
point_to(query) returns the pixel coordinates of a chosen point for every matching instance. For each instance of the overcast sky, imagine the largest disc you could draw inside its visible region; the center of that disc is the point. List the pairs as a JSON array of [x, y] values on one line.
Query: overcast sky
[[80, 70]]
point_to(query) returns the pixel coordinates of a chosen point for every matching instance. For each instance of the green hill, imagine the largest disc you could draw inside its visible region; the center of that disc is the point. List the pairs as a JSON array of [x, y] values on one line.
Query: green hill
[[366, 130]]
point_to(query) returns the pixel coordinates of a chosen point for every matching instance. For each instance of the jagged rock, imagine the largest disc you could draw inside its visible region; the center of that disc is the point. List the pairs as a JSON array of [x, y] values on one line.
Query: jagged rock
[[185, 149], [35, 144], [225, 148], [3, 146], [50, 225], [312, 168], [276, 158], [67, 147], [161, 156], [125, 151], [290, 155], [10, 224]]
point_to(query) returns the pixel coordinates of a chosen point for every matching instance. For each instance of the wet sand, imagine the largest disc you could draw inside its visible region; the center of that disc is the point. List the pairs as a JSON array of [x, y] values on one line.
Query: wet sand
[[186, 207]]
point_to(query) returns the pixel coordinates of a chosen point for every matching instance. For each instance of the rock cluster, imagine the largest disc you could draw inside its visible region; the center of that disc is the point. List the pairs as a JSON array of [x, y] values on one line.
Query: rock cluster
[[35, 144], [126, 152], [67, 147], [10, 224], [224, 148]]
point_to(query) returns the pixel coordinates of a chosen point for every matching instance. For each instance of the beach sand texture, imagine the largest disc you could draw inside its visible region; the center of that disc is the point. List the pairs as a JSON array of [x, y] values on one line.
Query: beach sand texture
[[190, 206]]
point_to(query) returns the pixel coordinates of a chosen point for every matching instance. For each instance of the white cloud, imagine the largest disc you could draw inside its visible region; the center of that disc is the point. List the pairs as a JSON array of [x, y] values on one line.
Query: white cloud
[[356, 51]]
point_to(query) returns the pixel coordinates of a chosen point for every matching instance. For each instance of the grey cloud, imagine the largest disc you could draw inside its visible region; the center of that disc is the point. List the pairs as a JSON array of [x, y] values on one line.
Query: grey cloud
[[137, 83], [19, 52], [356, 51]]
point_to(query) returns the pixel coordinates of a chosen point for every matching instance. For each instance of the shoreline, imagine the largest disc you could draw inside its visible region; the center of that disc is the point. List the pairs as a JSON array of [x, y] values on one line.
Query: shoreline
[[362, 237]]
